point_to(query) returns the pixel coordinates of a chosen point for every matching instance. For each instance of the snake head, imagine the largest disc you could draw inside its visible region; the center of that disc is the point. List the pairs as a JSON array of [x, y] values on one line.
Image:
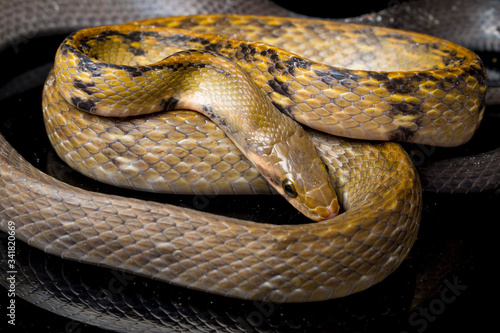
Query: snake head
[[296, 171]]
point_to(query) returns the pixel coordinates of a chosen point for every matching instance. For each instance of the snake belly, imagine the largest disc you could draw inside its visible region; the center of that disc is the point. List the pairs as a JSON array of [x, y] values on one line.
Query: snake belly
[[375, 182]]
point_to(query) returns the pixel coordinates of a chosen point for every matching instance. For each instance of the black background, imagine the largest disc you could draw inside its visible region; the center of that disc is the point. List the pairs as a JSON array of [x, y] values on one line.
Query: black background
[[458, 232]]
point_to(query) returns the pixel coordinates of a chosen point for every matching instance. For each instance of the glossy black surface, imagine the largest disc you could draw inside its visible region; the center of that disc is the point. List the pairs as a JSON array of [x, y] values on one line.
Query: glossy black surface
[[454, 258]]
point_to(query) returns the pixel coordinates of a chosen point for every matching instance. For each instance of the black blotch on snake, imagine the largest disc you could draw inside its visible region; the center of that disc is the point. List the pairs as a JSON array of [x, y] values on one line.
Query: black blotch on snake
[[88, 106], [169, 103], [401, 134], [77, 83]]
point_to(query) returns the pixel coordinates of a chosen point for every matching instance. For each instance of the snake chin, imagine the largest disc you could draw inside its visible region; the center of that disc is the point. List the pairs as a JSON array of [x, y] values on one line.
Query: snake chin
[[316, 202]]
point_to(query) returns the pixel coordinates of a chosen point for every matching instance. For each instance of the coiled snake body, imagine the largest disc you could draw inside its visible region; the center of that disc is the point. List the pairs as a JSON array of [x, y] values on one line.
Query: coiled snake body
[[424, 90]]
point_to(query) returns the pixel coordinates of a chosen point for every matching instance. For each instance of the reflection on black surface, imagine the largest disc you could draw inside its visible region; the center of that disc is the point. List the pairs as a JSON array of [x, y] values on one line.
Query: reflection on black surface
[[149, 301], [445, 282]]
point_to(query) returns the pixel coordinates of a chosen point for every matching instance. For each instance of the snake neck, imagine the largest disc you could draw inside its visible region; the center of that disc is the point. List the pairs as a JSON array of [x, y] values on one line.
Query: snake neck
[[278, 146]]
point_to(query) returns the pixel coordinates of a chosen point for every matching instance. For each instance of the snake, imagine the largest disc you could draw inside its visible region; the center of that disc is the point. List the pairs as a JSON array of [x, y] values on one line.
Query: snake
[[315, 261]]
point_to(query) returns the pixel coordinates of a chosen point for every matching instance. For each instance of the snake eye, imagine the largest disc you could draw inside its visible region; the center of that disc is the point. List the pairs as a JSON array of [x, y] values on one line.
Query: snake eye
[[289, 188]]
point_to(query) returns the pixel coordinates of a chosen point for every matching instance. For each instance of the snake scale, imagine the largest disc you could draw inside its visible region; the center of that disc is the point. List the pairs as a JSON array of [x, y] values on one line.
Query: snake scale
[[351, 258]]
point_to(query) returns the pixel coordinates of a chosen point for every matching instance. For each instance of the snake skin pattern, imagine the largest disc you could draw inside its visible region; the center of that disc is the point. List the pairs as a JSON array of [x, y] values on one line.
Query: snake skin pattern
[[471, 176], [20, 22]]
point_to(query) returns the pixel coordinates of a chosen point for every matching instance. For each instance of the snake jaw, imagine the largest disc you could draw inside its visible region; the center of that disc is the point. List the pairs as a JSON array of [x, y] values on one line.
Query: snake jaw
[[295, 170], [320, 213], [319, 203]]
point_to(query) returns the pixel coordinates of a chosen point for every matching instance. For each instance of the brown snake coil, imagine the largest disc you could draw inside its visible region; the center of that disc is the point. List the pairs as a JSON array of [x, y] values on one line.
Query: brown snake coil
[[376, 184]]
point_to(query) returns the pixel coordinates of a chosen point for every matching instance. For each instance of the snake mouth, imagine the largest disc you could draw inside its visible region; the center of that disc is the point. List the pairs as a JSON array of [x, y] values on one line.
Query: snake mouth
[[322, 202], [326, 213]]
